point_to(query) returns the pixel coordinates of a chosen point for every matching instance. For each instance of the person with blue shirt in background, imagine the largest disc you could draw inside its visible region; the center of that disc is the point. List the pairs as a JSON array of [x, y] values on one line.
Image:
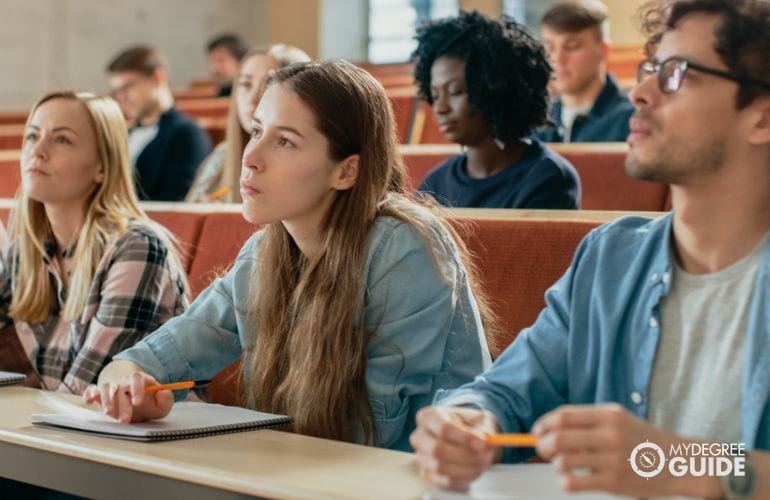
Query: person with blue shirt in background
[[659, 329], [589, 105]]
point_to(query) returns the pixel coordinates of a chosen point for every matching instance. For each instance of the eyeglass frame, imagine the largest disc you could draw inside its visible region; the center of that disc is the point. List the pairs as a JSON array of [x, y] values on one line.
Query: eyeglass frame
[[125, 88], [649, 67]]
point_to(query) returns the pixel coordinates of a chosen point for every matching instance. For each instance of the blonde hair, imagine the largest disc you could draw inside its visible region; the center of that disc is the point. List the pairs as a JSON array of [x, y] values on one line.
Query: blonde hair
[[111, 207], [235, 137], [308, 310]]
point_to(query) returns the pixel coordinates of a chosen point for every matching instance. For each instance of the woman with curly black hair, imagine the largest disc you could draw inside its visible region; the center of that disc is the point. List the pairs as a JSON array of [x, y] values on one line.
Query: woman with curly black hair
[[486, 81]]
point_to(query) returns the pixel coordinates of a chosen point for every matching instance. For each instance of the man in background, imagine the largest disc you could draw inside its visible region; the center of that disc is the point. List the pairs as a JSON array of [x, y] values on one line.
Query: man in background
[[164, 145], [223, 54], [589, 105]]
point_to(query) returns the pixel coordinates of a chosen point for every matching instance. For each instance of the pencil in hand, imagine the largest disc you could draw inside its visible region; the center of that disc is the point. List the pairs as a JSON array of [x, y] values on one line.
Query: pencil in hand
[[176, 386], [517, 440]]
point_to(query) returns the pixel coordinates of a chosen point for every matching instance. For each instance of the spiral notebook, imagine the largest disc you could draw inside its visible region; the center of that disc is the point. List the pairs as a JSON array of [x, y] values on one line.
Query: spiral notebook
[[8, 378], [186, 420]]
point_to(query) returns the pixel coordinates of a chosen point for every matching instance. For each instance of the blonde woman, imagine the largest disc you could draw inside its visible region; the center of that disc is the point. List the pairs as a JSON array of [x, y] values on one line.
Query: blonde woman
[[219, 176], [86, 273], [352, 306]]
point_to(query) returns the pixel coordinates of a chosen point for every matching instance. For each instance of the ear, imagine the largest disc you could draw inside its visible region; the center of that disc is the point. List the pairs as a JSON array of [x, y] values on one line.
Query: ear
[[99, 177], [759, 133], [159, 76], [346, 173], [606, 48]]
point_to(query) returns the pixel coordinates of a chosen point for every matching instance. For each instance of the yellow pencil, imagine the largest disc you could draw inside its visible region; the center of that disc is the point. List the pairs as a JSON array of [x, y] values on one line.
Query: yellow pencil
[[219, 193], [175, 386], [520, 440]]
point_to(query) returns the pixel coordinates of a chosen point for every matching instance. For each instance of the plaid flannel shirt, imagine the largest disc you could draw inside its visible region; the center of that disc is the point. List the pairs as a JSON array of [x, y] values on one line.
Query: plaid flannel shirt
[[135, 290]]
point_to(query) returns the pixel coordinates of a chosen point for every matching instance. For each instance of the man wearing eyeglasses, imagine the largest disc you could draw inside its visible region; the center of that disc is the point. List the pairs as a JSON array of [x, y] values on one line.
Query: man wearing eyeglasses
[[660, 329], [589, 106], [165, 146]]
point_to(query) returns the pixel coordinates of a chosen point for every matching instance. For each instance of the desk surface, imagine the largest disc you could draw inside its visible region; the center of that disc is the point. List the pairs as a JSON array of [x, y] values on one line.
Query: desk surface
[[259, 463]]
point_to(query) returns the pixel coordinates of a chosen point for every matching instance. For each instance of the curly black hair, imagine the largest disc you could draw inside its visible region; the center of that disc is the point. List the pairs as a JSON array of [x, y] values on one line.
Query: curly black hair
[[506, 69], [742, 38]]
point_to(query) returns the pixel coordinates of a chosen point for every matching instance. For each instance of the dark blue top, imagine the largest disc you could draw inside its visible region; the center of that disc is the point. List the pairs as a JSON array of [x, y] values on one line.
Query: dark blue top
[[541, 178], [166, 167], [606, 122]]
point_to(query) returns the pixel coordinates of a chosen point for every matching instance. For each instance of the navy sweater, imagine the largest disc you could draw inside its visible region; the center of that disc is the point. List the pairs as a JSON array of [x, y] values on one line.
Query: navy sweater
[[540, 178], [606, 122], [166, 167]]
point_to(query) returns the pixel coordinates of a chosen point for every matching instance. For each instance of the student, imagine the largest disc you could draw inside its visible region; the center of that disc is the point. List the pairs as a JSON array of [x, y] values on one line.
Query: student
[[658, 331], [322, 302], [218, 178], [486, 82], [86, 273], [589, 105], [164, 145], [222, 55]]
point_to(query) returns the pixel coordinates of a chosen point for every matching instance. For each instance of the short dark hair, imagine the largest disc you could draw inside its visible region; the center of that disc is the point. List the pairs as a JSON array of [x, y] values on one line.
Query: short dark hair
[[506, 69], [571, 16], [742, 38], [229, 41], [141, 59]]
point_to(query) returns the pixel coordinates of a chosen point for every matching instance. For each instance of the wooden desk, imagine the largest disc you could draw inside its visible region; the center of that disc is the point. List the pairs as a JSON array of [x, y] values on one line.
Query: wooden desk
[[259, 463]]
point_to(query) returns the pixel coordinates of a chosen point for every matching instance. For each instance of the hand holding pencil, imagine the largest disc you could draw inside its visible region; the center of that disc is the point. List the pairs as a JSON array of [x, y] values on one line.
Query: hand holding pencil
[[451, 445], [127, 394]]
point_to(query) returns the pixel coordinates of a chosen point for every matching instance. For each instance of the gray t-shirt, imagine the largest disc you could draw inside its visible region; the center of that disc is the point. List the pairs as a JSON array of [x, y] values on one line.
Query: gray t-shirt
[[695, 389]]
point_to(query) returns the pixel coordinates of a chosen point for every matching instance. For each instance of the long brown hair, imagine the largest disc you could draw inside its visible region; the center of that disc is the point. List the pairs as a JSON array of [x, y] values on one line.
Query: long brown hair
[[308, 356], [110, 209]]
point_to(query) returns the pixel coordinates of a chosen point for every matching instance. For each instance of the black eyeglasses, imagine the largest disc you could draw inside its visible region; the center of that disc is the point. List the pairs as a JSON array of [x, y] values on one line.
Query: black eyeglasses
[[672, 71]]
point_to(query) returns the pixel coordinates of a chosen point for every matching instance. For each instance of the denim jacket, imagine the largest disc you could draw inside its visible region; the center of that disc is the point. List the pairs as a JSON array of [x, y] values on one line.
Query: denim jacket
[[428, 331], [595, 341]]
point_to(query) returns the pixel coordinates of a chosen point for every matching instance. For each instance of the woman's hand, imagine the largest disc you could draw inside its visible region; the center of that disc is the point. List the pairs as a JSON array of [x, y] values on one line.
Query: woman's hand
[[126, 400]]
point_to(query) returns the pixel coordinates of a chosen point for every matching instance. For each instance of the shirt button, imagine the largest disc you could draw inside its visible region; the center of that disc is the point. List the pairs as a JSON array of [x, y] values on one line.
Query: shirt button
[[653, 322], [654, 278], [666, 277], [636, 398]]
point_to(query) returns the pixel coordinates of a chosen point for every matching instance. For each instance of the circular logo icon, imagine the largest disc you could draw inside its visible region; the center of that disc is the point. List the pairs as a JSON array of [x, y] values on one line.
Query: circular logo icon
[[647, 459]]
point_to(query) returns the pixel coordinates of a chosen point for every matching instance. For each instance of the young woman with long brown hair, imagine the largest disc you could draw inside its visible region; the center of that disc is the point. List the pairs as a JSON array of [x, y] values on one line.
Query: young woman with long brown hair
[[86, 273], [351, 307]]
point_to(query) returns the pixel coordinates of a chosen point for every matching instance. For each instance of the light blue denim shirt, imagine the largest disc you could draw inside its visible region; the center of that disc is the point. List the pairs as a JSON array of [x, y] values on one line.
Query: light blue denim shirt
[[428, 332], [595, 341]]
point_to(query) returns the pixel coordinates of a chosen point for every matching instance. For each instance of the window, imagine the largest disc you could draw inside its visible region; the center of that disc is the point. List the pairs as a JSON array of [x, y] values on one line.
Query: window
[[392, 25], [527, 13]]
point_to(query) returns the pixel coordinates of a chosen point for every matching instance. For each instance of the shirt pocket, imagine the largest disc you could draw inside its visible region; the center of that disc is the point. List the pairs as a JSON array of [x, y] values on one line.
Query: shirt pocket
[[389, 428]]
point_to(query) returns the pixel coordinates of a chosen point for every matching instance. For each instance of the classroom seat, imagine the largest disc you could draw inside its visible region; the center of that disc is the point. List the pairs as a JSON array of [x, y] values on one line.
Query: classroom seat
[[186, 228], [517, 260], [14, 117], [424, 128], [211, 106], [403, 103], [215, 127], [10, 176], [11, 136], [221, 237], [607, 186]]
